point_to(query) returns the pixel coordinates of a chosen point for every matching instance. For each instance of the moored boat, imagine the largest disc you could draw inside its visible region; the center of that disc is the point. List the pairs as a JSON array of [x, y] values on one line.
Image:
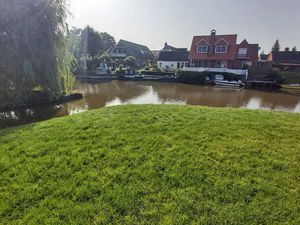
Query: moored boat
[[229, 83]]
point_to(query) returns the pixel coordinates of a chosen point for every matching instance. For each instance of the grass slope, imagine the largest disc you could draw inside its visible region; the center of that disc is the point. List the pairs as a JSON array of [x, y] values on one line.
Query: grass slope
[[153, 165]]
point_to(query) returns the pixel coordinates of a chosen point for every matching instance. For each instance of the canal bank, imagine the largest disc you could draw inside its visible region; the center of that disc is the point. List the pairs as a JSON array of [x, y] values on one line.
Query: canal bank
[[252, 82]]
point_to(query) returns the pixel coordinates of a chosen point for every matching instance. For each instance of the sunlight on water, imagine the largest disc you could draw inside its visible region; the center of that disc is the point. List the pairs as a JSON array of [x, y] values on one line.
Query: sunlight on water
[[297, 108], [149, 97], [254, 103]]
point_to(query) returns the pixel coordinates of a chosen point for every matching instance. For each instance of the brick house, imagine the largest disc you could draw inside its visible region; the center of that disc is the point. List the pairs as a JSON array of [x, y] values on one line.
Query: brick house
[[222, 51]]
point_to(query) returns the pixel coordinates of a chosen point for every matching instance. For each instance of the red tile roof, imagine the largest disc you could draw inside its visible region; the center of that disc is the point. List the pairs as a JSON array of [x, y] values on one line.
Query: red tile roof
[[213, 40]]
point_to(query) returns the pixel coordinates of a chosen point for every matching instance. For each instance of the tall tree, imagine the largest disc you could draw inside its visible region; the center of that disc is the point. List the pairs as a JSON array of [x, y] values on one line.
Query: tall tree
[[88, 41], [294, 49], [91, 42], [74, 41], [108, 41], [33, 49], [276, 46]]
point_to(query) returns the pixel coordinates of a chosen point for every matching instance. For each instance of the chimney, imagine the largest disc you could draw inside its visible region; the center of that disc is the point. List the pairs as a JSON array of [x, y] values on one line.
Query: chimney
[[287, 49], [213, 33], [211, 48], [166, 44]]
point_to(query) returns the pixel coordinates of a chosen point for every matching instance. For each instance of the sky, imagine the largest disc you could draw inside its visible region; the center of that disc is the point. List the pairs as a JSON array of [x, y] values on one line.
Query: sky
[[154, 22]]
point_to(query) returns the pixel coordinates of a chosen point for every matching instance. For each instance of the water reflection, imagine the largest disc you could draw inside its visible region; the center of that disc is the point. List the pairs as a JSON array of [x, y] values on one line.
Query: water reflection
[[120, 92]]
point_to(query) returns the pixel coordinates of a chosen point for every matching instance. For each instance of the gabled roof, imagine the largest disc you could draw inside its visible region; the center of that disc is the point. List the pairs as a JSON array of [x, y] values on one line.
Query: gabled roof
[[202, 41], [175, 56], [231, 39], [222, 41], [136, 50], [282, 57], [168, 47], [181, 49]]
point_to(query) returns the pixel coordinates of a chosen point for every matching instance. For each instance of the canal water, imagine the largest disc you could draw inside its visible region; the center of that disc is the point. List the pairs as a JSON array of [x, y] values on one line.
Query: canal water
[[97, 95]]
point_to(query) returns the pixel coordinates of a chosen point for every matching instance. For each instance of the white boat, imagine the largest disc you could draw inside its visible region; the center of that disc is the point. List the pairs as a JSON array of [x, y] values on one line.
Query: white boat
[[229, 83]]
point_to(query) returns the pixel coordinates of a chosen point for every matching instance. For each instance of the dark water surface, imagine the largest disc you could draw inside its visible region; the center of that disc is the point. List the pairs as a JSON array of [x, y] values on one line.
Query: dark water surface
[[126, 92]]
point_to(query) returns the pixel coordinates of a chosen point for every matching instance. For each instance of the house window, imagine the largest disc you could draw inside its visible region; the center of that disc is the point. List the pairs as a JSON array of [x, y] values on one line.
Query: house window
[[221, 49], [198, 63], [202, 49], [243, 51], [120, 51]]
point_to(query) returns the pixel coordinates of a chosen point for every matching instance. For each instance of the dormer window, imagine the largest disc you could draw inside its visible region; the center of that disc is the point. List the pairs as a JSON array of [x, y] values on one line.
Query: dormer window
[[202, 49], [221, 49]]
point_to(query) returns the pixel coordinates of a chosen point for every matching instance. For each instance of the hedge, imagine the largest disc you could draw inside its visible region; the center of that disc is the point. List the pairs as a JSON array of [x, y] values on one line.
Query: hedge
[[201, 77], [157, 73]]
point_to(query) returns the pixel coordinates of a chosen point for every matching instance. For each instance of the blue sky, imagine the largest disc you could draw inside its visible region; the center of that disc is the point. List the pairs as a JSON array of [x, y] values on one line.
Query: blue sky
[[153, 22]]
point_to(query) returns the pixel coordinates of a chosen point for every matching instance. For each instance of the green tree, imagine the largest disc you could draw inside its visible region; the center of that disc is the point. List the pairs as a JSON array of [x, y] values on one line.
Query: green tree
[[33, 49], [130, 61], [108, 41], [276, 46], [91, 42], [74, 41], [294, 49]]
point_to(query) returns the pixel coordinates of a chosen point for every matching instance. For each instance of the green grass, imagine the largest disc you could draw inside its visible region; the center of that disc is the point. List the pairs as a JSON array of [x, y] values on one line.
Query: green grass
[[153, 165]]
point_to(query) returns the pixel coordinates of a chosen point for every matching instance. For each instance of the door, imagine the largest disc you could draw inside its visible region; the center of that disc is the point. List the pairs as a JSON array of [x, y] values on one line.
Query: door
[[223, 64]]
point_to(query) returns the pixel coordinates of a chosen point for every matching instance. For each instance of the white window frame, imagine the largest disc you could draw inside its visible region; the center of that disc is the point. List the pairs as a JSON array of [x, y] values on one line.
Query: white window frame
[[201, 48], [243, 52], [219, 49]]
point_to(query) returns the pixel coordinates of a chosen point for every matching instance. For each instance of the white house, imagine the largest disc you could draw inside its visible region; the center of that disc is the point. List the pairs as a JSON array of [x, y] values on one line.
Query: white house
[[173, 60]]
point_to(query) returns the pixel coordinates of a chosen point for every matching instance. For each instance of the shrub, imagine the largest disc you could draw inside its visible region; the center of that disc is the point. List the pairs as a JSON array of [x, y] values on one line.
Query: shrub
[[192, 77], [130, 61]]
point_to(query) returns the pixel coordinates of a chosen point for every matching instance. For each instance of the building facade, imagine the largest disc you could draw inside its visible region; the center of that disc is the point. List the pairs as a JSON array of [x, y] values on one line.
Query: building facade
[[222, 51], [171, 58]]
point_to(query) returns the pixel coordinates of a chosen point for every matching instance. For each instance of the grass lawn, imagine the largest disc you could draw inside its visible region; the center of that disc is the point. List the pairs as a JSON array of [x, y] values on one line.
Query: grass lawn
[[153, 165]]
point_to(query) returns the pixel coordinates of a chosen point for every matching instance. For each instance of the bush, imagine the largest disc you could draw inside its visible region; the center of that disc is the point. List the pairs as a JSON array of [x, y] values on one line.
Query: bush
[[130, 61]]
